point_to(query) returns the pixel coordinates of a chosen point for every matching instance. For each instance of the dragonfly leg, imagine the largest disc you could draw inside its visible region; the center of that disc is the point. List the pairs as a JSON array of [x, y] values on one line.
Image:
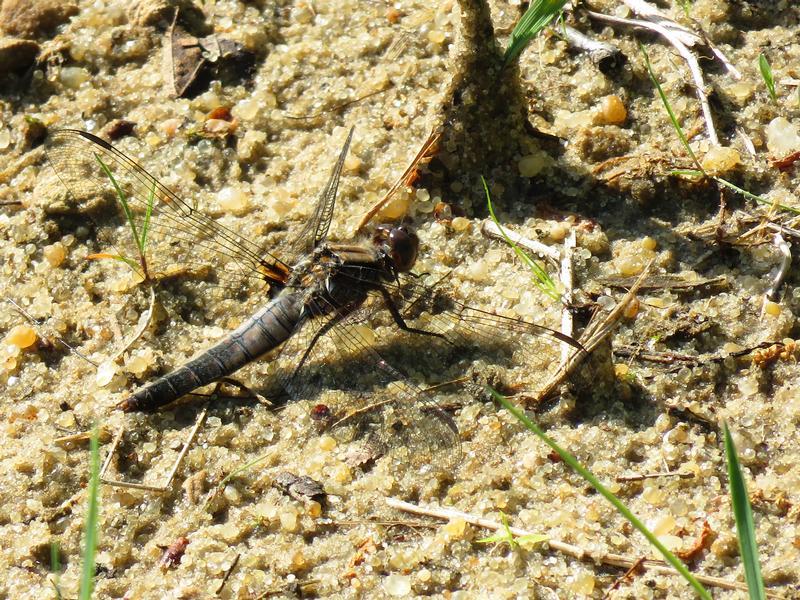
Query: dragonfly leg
[[398, 318], [338, 316]]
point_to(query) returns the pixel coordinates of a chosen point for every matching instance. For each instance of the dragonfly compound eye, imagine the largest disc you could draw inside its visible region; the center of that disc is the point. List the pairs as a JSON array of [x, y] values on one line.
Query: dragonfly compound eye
[[403, 245]]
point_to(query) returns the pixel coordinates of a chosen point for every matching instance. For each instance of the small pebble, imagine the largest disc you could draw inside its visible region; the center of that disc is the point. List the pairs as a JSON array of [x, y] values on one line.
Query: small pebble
[[233, 200], [558, 231], [460, 224], [657, 303], [55, 254], [396, 208], [533, 164], [653, 495], [314, 508], [288, 519], [632, 308], [74, 77], [435, 36], [649, 243], [397, 585], [606, 302], [105, 373], [326, 443], [630, 265], [581, 584], [21, 336], [719, 160], [352, 164], [612, 111], [773, 309], [393, 15], [232, 494], [782, 137], [16, 55], [455, 528]]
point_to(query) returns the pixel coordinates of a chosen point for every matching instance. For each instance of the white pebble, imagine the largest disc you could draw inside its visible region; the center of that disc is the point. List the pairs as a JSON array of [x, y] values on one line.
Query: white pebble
[[397, 585], [782, 138], [105, 373], [73, 77], [233, 200]]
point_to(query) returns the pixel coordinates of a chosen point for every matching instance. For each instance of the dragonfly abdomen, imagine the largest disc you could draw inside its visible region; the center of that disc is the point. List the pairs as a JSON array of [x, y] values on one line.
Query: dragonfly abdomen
[[264, 331]]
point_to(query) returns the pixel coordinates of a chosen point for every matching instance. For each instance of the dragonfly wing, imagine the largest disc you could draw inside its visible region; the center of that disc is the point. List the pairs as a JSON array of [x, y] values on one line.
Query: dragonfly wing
[[442, 313], [154, 218], [373, 400], [316, 229]]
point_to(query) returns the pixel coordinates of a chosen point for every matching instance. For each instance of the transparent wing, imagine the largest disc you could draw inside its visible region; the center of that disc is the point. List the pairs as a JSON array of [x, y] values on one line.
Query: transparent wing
[[316, 229], [365, 397], [170, 230], [434, 308]]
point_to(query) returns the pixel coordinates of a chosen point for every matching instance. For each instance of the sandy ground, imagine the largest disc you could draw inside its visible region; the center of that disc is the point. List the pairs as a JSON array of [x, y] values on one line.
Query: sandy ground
[[558, 154]]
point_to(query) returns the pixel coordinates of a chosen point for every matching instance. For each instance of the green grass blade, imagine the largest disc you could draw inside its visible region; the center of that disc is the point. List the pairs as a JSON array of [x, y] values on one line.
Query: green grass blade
[[766, 74], [737, 189], [588, 476], [123, 199], [543, 280], [759, 199], [55, 566], [146, 224], [745, 529], [92, 514], [536, 18], [668, 106]]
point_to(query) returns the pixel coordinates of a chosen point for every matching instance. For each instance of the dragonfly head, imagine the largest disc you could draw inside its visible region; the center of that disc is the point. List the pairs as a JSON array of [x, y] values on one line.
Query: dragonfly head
[[398, 244]]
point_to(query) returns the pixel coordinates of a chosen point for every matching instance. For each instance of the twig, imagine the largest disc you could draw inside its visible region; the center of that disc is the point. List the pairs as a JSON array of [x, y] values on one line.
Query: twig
[[490, 230], [602, 54], [155, 488], [567, 282], [433, 139], [144, 322], [782, 229], [670, 358], [595, 333], [616, 560], [643, 476], [227, 575], [111, 451], [678, 37], [782, 270], [82, 436], [691, 37]]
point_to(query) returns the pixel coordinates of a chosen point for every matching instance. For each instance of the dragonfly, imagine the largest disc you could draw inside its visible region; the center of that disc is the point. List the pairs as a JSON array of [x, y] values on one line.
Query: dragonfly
[[321, 301]]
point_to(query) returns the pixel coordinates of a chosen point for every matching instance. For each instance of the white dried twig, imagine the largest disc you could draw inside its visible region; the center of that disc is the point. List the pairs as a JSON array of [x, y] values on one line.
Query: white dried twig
[[783, 268], [567, 282], [682, 39], [168, 482], [144, 322], [674, 38], [607, 558], [491, 230]]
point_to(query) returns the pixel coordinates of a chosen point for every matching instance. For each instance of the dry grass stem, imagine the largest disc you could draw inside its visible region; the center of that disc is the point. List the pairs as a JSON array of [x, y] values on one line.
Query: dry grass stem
[[681, 39], [490, 230], [616, 560], [153, 488]]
